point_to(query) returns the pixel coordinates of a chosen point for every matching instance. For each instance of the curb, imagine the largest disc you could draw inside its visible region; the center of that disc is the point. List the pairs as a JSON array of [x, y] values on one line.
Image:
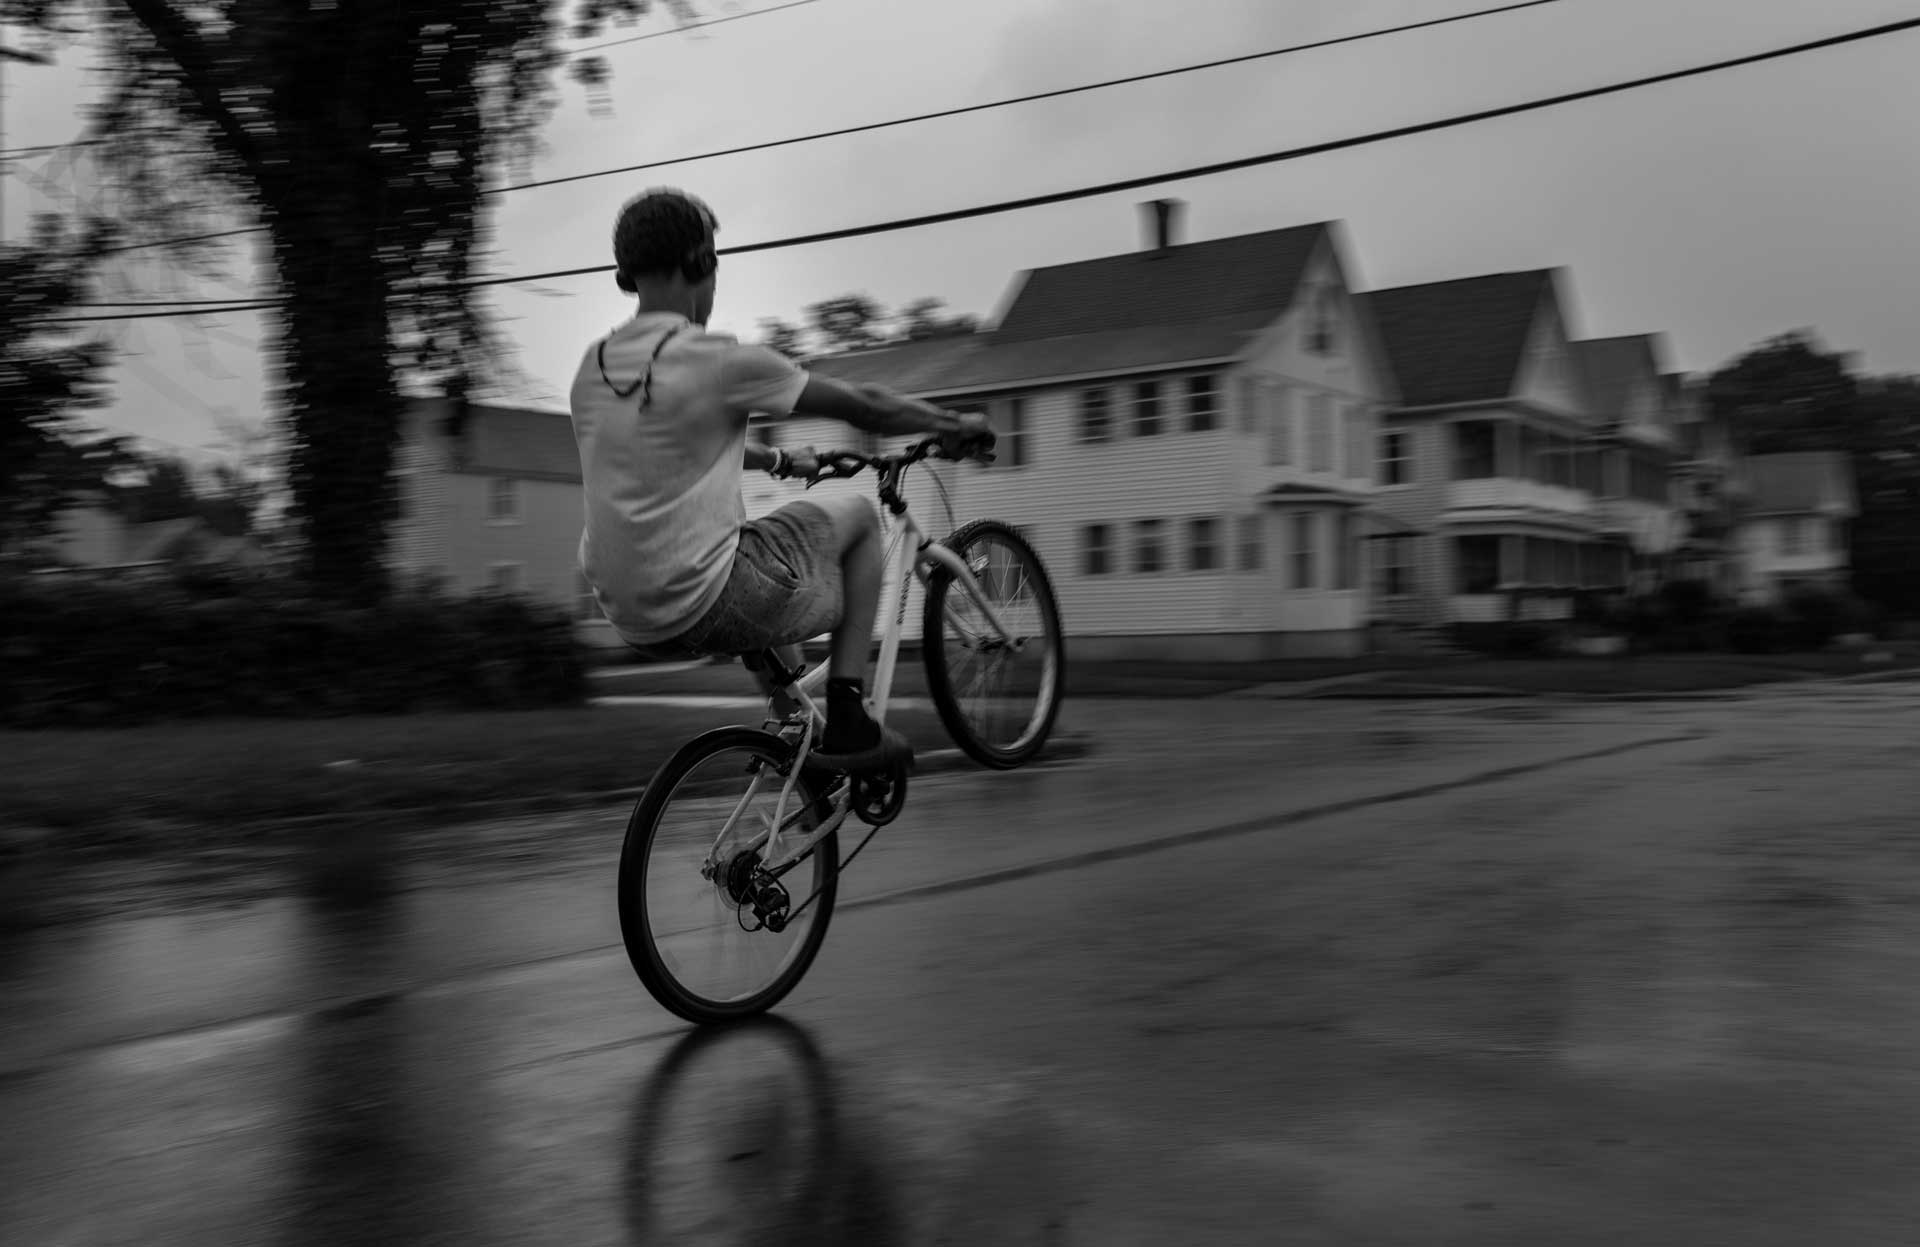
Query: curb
[[1445, 692], [1063, 748]]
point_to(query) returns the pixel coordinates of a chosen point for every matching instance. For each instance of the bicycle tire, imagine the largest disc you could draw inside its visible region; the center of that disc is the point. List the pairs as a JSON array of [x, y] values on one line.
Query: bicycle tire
[[935, 652], [636, 931]]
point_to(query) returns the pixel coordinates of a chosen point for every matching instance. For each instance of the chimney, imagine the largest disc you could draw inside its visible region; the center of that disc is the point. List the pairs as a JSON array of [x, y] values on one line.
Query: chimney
[[1162, 223]]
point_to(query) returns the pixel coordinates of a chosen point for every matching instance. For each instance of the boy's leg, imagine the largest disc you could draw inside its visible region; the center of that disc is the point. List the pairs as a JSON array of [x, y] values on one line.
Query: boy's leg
[[853, 741]]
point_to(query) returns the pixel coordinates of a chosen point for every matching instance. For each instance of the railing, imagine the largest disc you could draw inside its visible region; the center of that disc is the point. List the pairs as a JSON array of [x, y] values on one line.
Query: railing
[[1519, 495]]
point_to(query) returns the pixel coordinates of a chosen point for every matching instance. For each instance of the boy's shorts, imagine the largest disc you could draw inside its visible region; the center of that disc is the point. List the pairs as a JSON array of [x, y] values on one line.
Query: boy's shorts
[[784, 588]]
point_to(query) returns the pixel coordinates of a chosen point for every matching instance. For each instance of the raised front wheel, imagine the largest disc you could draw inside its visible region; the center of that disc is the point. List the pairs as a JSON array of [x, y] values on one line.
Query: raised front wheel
[[997, 689]]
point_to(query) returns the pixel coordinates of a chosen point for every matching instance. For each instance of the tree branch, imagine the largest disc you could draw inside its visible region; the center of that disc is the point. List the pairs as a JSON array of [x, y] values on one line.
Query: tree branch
[[201, 71]]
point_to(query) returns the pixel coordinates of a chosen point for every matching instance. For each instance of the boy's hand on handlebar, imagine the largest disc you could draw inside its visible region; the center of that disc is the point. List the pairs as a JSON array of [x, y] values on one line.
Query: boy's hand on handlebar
[[973, 438], [803, 463]]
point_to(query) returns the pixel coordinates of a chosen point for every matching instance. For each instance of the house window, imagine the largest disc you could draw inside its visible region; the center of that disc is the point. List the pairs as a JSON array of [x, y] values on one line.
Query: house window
[[1322, 323], [1475, 450], [1305, 533], [1251, 553], [1149, 546], [1202, 404], [1203, 544], [1476, 564], [505, 577], [1319, 433], [1279, 424], [1793, 536], [1093, 416], [1345, 551], [1359, 456], [503, 500], [1012, 447], [1146, 409], [1396, 458], [1096, 549], [1393, 566]]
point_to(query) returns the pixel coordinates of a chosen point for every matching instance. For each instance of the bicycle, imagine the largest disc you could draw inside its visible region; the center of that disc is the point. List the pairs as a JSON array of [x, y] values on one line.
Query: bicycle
[[731, 899]]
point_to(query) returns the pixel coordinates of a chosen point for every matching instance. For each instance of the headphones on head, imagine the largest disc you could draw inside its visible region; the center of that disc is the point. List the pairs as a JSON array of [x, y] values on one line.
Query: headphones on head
[[701, 259]]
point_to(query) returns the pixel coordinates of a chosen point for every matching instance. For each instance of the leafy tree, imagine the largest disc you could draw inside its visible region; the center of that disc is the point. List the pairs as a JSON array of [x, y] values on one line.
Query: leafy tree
[[921, 320], [849, 322], [361, 134], [789, 340], [1788, 395], [48, 376]]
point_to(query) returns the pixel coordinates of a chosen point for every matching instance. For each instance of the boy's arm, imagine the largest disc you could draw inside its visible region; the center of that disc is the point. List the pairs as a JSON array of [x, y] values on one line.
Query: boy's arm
[[875, 409]]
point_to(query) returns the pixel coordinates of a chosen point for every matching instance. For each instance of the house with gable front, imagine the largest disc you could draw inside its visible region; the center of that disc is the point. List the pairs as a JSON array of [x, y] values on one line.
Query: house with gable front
[[1187, 436], [1490, 460], [1640, 450]]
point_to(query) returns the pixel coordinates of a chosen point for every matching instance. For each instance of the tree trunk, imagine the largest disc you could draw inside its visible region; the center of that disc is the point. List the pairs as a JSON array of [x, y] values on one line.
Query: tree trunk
[[337, 382]]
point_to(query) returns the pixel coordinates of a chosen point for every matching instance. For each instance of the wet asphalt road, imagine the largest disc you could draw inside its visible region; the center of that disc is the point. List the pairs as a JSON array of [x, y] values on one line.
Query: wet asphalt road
[[1641, 972]]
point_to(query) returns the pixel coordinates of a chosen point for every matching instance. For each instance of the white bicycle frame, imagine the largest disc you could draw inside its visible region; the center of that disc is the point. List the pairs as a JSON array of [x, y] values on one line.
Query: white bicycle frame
[[913, 554]]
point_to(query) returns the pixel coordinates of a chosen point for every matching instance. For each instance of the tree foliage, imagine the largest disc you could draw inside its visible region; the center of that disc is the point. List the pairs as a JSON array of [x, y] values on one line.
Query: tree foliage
[[858, 322], [362, 134], [49, 375]]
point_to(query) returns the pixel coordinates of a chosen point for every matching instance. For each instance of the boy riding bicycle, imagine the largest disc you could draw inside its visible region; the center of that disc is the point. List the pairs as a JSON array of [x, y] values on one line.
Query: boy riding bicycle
[[659, 409]]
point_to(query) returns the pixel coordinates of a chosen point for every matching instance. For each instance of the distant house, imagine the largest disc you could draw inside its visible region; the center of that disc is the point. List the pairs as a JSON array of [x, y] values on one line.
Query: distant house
[[1639, 447], [1187, 436], [1796, 529], [1710, 489], [1492, 458], [490, 499]]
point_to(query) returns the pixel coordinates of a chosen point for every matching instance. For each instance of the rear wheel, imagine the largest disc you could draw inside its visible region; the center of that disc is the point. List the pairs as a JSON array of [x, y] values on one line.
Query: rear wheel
[[713, 934], [997, 695]]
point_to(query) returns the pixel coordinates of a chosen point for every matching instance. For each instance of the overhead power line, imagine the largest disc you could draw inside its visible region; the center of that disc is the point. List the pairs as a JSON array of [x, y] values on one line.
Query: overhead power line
[[1026, 99], [1219, 167], [917, 118]]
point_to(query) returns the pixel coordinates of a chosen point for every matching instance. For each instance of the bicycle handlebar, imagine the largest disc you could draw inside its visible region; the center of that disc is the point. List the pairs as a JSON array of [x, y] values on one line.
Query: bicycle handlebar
[[839, 464]]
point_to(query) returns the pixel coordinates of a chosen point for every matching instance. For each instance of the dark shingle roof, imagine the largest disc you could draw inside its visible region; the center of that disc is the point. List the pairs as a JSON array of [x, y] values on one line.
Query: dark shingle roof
[[514, 441], [1458, 341], [1185, 284], [1809, 481], [1610, 365], [983, 364]]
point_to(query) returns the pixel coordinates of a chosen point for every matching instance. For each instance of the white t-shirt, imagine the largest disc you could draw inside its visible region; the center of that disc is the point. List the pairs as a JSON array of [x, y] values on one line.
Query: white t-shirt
[[662, 482]]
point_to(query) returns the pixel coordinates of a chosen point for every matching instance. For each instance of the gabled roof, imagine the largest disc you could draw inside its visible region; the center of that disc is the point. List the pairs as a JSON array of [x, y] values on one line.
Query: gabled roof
[[982, 364], [1458, 341], [1610, 366], [910, 367], [1192, 303], [516, 441], [1808, 482], [1180, 285]]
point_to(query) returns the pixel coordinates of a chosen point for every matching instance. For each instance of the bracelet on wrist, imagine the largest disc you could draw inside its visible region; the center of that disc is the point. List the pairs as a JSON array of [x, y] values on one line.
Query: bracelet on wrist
[[779, 467]]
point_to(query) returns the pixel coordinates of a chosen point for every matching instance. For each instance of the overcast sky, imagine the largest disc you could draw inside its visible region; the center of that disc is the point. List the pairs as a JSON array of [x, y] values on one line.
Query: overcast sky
[[1718, 210]]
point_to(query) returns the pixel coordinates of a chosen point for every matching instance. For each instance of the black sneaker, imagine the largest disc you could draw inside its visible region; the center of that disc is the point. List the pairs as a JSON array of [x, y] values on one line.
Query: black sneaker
[[882, 750]]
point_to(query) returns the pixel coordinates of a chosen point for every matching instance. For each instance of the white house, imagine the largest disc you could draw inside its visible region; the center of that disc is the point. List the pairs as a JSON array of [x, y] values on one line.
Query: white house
[[1187, 440], [1491, 459], [1795, 531]]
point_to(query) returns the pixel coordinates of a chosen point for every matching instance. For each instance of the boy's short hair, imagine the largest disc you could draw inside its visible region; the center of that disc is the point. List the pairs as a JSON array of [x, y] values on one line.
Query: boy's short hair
[[662, 231]]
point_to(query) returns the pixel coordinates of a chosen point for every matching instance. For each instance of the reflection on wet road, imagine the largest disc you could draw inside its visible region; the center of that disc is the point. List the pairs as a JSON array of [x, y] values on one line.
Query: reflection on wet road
[[1663, 994]]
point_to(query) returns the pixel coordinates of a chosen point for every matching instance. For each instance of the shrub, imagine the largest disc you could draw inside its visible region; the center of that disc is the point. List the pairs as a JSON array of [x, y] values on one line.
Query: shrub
[[82, 650], [1757, 630], [1814, 618]]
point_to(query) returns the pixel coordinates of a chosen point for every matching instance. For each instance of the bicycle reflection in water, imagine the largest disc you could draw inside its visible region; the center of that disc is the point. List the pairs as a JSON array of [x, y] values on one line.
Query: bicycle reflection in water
[[738, 1136]]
